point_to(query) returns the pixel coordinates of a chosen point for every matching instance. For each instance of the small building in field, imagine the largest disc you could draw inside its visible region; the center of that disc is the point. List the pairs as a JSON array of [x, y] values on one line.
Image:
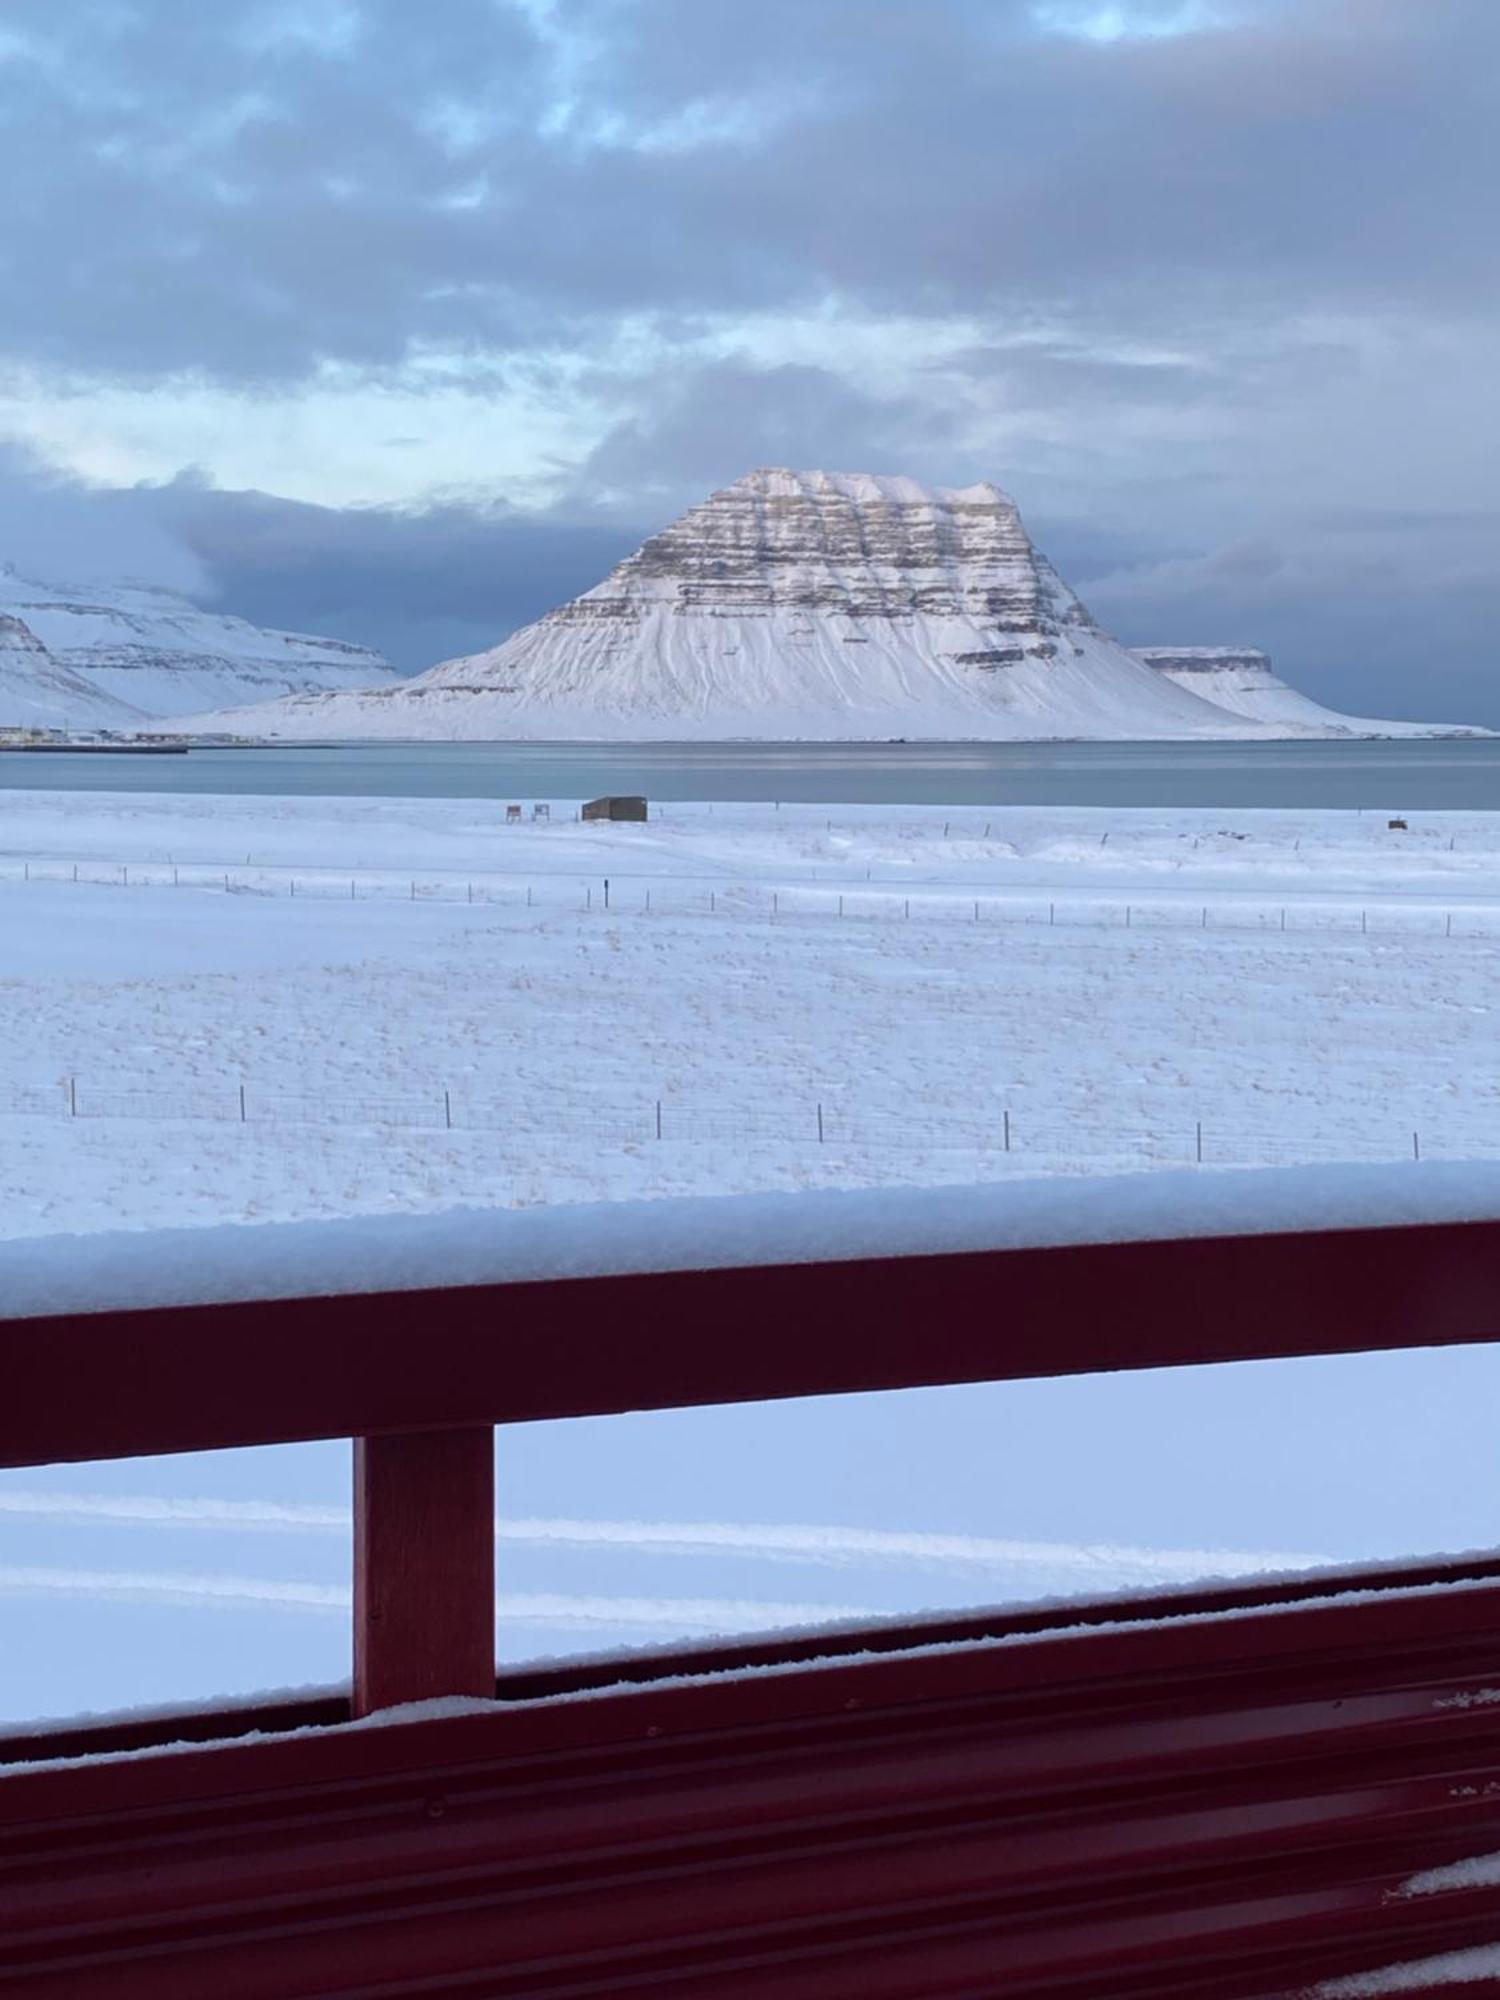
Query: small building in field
[[617, 808]]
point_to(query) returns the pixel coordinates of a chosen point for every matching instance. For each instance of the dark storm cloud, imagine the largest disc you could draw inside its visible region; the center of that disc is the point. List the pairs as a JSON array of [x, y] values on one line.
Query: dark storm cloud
[[249, 188], [702, 428], [55, 528], [241, 188], [1367, 612], [419, 585]]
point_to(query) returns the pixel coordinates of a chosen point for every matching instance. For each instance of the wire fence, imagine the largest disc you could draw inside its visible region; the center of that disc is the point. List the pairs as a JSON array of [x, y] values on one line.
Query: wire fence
[[637, 895], [637, 1122]]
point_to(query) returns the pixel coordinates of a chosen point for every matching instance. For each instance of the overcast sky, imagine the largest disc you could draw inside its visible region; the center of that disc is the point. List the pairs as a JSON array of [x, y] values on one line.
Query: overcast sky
[[403, 322]]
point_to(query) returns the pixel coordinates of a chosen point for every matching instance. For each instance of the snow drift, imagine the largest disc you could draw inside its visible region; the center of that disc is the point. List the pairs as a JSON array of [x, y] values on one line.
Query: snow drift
[[807, 605]]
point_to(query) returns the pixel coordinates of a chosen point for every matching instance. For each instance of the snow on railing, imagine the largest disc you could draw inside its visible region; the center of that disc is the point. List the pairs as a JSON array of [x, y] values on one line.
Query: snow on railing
[[410, 1334], [357, 1255]]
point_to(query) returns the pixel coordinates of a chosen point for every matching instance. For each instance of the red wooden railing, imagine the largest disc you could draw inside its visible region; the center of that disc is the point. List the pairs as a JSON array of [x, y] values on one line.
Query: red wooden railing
[[1222, 1792]]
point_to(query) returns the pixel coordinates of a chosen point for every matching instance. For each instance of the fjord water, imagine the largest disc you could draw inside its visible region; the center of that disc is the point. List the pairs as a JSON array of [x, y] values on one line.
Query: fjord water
[[1457, 774]]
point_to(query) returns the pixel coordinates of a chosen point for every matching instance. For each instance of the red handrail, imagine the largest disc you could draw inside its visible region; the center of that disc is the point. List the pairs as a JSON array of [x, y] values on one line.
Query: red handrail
[[1223, 1791], [420, 1377], [194, 1378]]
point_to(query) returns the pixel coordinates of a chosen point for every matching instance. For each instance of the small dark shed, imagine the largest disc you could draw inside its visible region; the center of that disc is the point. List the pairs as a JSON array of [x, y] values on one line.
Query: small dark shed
[[615, 809]]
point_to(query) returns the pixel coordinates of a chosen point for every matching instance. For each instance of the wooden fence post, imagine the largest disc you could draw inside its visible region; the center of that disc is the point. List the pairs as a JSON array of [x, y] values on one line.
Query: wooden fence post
[[424, 1566]]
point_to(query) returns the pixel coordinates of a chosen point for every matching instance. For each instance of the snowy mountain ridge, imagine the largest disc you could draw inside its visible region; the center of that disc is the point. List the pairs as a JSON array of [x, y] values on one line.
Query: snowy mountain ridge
[[38, 692], [1243, 681], [143, 651], [816, 606]]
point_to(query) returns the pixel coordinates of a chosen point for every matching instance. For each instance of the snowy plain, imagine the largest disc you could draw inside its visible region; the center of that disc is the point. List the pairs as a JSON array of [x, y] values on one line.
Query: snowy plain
[[426, 1009]]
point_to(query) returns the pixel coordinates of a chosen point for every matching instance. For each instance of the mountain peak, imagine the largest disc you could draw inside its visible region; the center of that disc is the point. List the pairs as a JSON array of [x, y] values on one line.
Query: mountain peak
[[825, 606], [16, 636], [866, 489]]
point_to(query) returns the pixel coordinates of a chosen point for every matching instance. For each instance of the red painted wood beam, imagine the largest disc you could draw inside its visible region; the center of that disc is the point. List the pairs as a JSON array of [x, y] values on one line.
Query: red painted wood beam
[[1193, 1807], [424, 1567], [175, 1379]]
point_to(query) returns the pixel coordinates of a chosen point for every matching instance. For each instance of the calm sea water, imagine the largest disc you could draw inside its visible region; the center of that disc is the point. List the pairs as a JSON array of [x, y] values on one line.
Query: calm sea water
[[1421, 776]]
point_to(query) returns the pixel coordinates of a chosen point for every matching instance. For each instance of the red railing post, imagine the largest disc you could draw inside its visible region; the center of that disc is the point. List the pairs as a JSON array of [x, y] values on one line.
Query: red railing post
[[424, 1566]]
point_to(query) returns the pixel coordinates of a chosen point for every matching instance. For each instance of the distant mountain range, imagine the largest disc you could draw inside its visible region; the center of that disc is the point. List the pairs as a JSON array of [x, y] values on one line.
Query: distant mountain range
[[814, 606], [121, 656], [38, 692], [826, 606], [1243, 681]]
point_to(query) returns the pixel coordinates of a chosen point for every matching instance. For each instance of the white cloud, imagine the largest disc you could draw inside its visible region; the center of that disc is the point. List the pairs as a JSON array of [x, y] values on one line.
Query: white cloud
[[1122, 20], [326, 440]]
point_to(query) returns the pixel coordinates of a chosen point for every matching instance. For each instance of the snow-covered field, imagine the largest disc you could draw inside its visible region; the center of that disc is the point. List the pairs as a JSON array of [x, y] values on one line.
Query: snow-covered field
[[258, 1009], [251, 1009]]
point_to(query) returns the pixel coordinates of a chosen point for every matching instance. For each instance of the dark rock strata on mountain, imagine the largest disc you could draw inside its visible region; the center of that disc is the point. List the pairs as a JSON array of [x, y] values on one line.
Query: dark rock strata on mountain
[[805, 605]]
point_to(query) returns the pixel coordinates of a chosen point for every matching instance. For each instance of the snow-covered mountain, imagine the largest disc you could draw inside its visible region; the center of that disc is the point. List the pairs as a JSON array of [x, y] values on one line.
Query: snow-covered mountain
[[804, 605], [158, 654], [1243, 681], [38, 692]]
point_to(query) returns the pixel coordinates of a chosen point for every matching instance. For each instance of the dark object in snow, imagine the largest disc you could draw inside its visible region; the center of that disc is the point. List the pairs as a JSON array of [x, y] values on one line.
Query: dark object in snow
[[1396, 825], [994, 656], [621, 808], [512, 815]]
